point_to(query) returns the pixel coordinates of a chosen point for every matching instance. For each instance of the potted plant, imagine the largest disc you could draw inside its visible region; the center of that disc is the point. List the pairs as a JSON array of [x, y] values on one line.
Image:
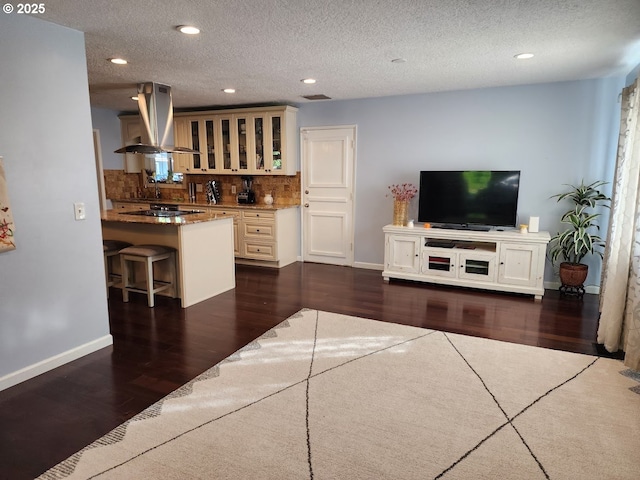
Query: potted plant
[[581, 236]]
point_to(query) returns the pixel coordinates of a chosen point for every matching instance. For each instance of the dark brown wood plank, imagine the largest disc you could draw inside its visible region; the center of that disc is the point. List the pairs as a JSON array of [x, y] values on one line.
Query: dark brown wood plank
[[155, 350]]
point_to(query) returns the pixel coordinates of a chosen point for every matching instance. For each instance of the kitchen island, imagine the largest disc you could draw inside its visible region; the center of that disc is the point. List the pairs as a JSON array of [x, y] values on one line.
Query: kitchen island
[[264, 235], [203, 243]]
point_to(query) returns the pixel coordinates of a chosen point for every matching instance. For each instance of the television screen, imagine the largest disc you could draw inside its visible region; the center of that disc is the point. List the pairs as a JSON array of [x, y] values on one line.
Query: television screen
[[469, 198]]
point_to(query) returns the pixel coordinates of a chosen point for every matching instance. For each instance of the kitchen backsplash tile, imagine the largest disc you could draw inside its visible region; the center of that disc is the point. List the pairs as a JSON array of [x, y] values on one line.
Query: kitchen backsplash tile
[[284, 189]]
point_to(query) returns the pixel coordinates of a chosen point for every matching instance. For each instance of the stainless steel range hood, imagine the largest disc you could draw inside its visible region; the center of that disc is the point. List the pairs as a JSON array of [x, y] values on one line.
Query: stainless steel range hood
[[156, 121]]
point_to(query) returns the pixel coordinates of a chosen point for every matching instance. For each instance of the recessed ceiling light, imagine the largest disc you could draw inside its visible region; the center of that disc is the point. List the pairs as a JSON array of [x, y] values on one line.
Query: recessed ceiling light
[[523, 56], [399, 60], [188, 29], [229, 90], [308, 81], [118, 61]]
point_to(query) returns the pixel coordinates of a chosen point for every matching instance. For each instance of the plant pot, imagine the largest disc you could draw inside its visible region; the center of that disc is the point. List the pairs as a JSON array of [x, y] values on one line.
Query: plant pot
[[573, 274]]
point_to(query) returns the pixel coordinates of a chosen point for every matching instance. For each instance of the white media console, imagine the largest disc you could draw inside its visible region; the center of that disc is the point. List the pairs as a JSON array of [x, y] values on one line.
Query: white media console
[[507, 261]]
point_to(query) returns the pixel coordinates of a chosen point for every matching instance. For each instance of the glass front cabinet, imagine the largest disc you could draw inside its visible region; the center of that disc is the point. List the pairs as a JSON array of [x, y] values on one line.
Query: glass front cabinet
[[455, 264], [243, 141]]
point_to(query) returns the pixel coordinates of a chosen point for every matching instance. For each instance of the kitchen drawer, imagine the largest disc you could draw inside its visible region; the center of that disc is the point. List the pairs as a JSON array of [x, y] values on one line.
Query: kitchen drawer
[[227, 213], [258, 214], [259, 251], [223, 211], [261, 230], [130, 206], [218, 211]]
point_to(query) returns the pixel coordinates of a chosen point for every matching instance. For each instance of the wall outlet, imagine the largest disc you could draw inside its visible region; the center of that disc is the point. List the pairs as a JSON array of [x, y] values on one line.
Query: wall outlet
[[80, 212], [233, 189]]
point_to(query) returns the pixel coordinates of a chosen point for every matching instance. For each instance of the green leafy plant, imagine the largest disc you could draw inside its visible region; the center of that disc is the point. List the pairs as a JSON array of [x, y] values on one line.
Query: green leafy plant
[[581, 236]]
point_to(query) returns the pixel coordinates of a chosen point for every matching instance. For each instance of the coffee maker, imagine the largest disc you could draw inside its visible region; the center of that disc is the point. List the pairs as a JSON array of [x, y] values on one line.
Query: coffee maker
[[247, 195]]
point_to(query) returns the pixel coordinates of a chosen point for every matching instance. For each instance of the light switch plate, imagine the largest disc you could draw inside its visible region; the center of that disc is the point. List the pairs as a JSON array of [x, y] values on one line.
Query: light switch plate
[[80, 213]]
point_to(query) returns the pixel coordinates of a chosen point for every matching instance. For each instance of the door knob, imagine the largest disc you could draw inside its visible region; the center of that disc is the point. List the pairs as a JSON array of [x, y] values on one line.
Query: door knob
[[306, 205]]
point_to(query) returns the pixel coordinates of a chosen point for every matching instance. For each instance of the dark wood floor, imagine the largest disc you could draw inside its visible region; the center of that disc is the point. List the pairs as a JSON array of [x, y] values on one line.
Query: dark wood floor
[[155, 350]]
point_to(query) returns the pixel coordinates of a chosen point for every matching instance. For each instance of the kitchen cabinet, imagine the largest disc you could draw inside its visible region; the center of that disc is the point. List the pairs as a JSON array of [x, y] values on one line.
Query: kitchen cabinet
[[268, 237], [506, 261], [198, 134], [264, 237], [251, 141], [131, 134]]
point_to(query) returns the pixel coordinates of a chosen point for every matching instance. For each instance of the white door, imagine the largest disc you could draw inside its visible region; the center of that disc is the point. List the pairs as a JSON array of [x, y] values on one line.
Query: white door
[[328, 160]]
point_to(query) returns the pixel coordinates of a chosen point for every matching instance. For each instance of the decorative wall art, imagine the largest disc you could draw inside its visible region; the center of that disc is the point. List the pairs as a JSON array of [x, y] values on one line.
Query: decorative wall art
[[6, 217]]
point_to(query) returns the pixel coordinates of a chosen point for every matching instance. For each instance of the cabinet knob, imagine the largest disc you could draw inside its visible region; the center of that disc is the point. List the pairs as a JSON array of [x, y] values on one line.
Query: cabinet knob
[[306, 192], [257, 229], [306, 205]]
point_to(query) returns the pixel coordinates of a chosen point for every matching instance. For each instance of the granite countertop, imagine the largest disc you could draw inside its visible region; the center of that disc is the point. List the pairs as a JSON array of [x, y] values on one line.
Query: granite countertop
[[196, 205], [122, 217]]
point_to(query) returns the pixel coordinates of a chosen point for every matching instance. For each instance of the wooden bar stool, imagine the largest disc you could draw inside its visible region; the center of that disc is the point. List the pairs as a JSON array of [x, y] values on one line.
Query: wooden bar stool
[[147, 254], [111, 248]]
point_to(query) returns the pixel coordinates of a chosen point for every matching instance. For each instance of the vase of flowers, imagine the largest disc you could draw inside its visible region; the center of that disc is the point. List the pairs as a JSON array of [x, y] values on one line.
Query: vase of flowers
[[402, 195]]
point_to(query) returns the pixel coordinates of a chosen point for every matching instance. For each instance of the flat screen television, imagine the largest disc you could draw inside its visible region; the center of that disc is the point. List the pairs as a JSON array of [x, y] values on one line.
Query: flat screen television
[[474, 199]]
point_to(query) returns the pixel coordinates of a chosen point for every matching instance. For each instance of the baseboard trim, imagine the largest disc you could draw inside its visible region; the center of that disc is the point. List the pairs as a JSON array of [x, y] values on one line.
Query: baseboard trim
[[369, 266], [56, 361]]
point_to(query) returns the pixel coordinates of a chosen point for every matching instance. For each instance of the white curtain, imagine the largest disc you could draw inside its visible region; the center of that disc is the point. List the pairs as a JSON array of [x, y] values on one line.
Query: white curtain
[[619, 326]]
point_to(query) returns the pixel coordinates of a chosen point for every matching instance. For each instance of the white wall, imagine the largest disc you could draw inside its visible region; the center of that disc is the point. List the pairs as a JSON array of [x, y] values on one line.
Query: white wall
[[108, 123], [52, 292], [554, 133]]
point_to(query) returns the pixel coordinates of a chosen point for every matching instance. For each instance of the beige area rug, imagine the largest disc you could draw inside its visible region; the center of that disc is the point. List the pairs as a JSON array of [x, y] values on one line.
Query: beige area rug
[[328, 396]]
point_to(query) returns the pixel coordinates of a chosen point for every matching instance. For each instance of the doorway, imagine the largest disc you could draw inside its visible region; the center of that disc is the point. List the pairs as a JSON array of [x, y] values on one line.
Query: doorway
[[328, 187], [99, 169]]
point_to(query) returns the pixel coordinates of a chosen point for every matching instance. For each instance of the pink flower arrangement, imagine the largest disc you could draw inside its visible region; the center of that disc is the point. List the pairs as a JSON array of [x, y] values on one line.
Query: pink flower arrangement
[[404, 192]]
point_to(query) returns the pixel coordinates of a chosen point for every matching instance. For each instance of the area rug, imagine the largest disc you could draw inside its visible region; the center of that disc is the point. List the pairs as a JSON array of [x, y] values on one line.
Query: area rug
[[329, 396]]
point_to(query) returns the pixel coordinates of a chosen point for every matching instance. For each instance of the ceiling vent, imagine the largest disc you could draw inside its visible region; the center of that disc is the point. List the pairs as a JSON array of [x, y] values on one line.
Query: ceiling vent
[[320, 96]]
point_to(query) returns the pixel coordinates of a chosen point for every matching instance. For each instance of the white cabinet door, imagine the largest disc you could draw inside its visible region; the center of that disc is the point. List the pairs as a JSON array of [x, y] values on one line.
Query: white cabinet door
[[403, 254], [477, 266], [453, 263], [131, 134], [439, 262], [518, 264]]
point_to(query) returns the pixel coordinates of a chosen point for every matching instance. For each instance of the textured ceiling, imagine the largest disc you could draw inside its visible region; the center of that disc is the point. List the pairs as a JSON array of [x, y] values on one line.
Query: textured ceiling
[[263, 48]]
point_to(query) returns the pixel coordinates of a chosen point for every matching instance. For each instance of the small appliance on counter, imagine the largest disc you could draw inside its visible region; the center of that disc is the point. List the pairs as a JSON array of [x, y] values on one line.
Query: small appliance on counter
[[247, 195], [213, 192]]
